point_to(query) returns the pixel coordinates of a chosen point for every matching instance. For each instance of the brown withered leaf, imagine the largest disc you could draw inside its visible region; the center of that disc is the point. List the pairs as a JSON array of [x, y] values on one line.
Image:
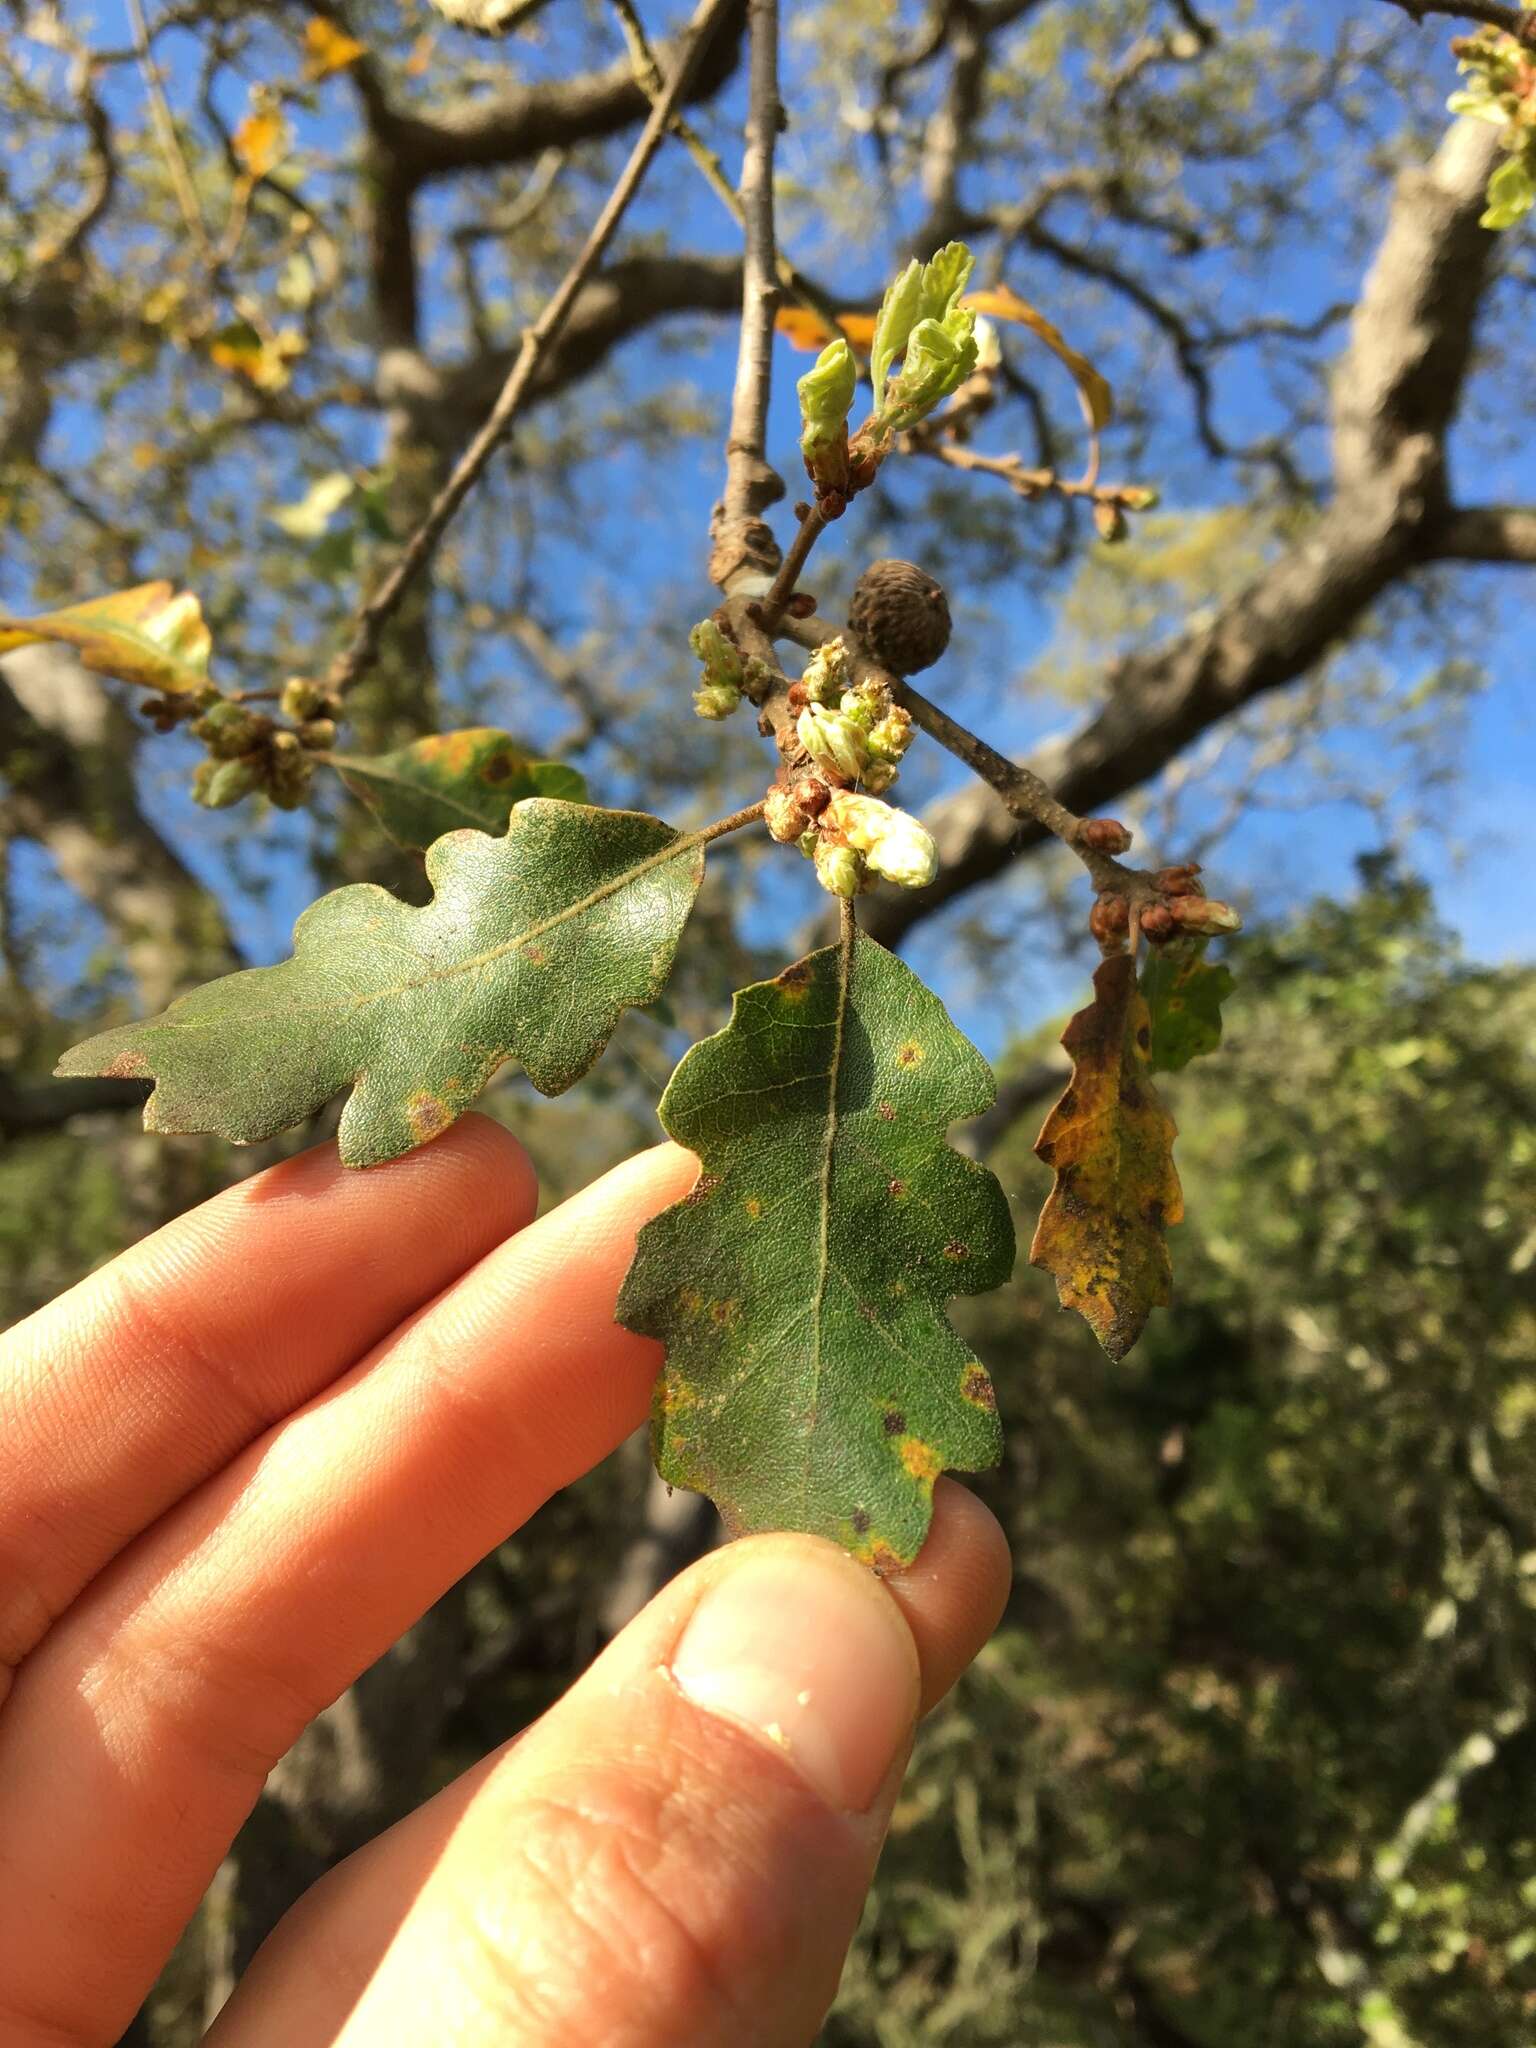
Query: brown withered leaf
[[1110, 1141]]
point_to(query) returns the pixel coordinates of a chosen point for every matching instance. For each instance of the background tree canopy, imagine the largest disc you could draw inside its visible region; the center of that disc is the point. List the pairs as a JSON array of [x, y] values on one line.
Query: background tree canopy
[[1246, 1763]]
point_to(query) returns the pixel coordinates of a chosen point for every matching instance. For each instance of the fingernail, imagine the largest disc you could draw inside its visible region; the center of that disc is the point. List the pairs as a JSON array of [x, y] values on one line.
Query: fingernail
[[808, 1651]]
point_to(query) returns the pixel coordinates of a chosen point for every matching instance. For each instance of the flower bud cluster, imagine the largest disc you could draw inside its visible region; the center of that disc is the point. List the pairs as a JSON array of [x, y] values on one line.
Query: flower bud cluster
[[1179, 909], [853, 732], [720, 685], [894, 843], [250, 754]]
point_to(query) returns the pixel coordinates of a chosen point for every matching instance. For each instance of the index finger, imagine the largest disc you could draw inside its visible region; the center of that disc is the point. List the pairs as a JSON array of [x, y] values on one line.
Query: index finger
[[130, 1390]]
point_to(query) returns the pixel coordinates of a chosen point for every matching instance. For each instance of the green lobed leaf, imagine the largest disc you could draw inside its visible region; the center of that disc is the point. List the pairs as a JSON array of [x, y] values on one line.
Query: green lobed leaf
[[452, 780], [532, 946], [1184, 994], [812, 1378]]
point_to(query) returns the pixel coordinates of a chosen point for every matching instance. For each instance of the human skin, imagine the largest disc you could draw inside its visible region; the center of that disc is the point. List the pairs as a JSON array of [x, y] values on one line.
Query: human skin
[[237, 1463]]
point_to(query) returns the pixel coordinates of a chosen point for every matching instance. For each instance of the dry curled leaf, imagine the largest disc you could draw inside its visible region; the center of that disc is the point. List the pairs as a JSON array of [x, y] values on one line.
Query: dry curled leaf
[[1110, 1142]]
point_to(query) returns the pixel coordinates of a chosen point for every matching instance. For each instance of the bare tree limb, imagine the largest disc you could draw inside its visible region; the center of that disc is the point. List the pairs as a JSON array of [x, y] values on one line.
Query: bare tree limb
[[376, 612], [1515, 21], [31, 1108], [523, 121], [1488, 533]]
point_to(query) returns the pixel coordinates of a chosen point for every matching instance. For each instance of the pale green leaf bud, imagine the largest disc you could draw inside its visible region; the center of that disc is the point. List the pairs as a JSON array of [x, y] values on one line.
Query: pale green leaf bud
[[890, 737], [229, 782], [715, 700], [839, 869], [923, 291], [897, 846], [826, 393], [835, 743], [809, 841], [826, 673], [939, 358], [1199, 914], [722, 661], [863, 706], [878, 777]]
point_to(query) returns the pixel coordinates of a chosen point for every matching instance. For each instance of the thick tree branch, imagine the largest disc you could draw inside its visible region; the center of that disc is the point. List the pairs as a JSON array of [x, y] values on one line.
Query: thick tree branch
[[1395, 392], [1515, 21], [1487, 533], [32, 1108], [623, 299], [522, 121]]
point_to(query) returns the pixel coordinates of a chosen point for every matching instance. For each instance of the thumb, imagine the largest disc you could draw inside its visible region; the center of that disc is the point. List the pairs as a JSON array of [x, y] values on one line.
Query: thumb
[[679, 1851]]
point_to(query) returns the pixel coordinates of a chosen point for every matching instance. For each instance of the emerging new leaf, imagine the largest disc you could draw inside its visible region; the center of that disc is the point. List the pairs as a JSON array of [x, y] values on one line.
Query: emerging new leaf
[[940, 356], [826, 393], [1110, 1141], [148, 635], [812, 1379], [532, 946], [924, 291], [453, 780]]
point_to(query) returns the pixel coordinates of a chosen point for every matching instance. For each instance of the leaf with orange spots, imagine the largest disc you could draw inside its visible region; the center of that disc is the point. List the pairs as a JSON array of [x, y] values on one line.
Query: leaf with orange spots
[[151, 635], [453, 779], [530, 949], [813, 1380], [1003, 303], [1110, 1141]]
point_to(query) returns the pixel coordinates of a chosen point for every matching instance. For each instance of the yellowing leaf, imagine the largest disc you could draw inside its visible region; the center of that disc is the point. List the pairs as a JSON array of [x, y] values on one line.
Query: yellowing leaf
[[328, 48], [261, 142], [264, 363], [149, 635], [1003, 303], [1110, 1141], [807, 331]]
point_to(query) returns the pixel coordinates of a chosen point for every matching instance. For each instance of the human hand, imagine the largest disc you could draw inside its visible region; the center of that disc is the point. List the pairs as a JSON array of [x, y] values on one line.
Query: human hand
[[239, 1462]]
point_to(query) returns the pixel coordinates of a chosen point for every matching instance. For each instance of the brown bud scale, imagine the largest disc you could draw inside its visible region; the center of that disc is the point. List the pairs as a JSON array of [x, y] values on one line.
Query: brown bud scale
[[1106, 835]]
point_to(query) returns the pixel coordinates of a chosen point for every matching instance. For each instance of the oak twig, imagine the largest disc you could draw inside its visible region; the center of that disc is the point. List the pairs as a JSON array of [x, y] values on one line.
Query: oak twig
[[707, 160], [743, 546], [363, 648]]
